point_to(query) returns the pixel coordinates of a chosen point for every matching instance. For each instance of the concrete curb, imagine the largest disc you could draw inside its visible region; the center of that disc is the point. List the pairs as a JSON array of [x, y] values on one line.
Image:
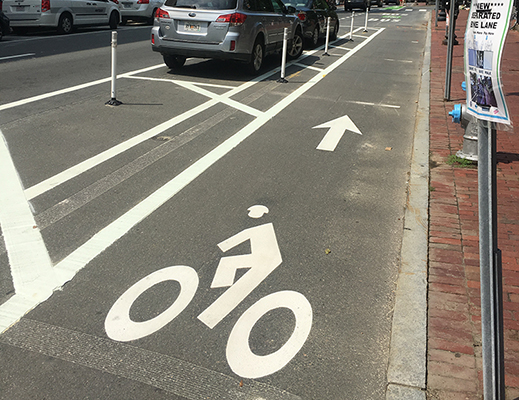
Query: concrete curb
[[407, 356]]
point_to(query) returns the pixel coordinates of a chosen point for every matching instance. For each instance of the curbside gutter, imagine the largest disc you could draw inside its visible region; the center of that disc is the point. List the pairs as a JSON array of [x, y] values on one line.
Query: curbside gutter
[[406, 375]]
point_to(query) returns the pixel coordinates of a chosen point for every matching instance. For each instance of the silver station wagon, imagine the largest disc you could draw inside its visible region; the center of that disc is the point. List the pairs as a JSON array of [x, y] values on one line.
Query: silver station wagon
[[244, 30]]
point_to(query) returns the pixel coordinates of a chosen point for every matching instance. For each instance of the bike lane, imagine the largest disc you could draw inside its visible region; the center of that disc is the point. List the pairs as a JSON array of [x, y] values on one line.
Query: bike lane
[[331, 229]]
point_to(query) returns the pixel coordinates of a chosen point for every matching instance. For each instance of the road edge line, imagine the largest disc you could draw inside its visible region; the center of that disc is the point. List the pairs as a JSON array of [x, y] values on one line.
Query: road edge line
[[407, 367]]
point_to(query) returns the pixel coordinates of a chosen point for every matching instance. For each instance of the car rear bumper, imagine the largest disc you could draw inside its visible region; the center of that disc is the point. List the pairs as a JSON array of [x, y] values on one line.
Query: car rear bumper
[[200, 50]]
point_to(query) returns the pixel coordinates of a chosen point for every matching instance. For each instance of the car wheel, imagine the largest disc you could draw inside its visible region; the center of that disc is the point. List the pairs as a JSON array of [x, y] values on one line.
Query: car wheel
[[114, 20], [315, 37], [296, 48], [335, 32], [380, 4], [256, 57], [174, 62], [124, 21], [65, 24]]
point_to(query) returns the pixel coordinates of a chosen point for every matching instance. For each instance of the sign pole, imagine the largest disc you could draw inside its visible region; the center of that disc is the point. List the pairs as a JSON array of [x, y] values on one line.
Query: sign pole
[[490, 267], [485, 36], [452, 27]]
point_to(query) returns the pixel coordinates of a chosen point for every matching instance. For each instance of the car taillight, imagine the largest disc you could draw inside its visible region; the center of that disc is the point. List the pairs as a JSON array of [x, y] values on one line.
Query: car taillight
[[115, 1], [45, 5], [143, 1], [301, 15], [1, 5], [234, 19], [152, 38], [161, 14]]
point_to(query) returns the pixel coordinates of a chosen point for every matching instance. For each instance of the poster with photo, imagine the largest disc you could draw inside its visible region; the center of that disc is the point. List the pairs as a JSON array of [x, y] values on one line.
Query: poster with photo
[[485, 35]]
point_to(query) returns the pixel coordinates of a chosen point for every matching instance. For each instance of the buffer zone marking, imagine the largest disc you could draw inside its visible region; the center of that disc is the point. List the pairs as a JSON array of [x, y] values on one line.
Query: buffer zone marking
[[18, 305]]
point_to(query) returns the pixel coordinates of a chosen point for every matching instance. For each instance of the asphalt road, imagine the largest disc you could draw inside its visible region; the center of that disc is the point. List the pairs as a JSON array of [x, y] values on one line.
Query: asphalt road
[[285, 248]]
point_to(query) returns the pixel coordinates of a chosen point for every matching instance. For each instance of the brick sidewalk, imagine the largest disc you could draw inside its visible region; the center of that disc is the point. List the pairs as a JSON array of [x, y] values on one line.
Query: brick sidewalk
[[454, 331]]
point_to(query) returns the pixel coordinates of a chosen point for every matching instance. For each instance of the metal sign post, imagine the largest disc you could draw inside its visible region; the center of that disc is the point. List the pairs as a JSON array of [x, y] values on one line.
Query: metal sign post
[[485, 35], [452, 28], [490, 267]]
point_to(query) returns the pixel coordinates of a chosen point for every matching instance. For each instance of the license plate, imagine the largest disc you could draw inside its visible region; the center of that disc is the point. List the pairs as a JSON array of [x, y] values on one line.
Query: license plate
[[20, 8], [190, 27], [127, 5]]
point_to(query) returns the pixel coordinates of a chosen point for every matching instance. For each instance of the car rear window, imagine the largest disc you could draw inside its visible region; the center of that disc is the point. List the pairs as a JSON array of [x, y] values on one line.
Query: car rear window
[[203, 4]]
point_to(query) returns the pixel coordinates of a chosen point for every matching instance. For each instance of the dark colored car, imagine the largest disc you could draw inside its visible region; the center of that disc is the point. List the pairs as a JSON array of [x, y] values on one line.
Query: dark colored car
[[314, 16], [4, 24], [362, 4]]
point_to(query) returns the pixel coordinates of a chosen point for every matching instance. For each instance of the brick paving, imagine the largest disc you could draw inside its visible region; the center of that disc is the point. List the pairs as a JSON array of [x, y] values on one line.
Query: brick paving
[[454, 316]]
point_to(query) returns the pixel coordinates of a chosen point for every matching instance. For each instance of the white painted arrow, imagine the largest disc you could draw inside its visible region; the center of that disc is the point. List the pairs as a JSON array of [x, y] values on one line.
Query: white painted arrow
[[337, 128]]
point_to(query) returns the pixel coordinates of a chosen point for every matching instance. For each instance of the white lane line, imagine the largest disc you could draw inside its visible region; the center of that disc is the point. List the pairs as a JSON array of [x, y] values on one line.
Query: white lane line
[[403, 61], [365, 103], [18, 56], [340, 47], [308, 67], [72, 172], [193, 87], [213, 85], [31, 267], [12, 310], [73, 88]]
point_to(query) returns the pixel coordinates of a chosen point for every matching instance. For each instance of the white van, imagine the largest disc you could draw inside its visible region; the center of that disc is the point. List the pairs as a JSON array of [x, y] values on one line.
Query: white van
[[63, 15]]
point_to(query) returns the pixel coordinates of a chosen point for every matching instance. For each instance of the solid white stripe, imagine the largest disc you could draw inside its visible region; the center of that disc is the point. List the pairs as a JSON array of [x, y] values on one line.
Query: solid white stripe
[[72, 89], [31, 267]]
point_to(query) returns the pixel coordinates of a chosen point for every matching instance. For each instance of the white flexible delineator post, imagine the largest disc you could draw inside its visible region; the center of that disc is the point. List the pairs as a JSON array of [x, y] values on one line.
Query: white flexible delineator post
[[113, 100], [351, 26], [327, 36], [284, 56]]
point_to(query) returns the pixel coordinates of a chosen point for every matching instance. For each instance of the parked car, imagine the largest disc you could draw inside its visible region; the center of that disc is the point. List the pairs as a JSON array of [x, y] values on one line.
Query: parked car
[[244, 30], [378, 3], [63, 15], [5, 28], [362, 4], [139, 10], [314, 16]]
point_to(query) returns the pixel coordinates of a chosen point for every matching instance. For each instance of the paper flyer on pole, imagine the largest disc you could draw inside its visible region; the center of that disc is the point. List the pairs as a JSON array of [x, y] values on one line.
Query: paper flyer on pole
[[485, 35]]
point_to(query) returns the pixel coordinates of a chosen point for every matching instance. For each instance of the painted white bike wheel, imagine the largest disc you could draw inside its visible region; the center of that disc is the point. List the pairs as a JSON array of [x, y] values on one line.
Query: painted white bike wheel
[[240, 357], [120, 327]]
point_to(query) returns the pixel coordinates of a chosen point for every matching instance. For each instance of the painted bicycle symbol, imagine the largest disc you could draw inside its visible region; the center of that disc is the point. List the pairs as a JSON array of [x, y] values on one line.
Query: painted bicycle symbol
[[264, 258]]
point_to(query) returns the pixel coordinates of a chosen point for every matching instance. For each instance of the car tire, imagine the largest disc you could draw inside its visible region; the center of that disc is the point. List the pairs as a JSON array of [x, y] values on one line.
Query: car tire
[[314, 39], [257, 56], [380, 4], [114, 20], [296, 46], [335, 32], [124, 21], [174, 62], [65, 24]]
